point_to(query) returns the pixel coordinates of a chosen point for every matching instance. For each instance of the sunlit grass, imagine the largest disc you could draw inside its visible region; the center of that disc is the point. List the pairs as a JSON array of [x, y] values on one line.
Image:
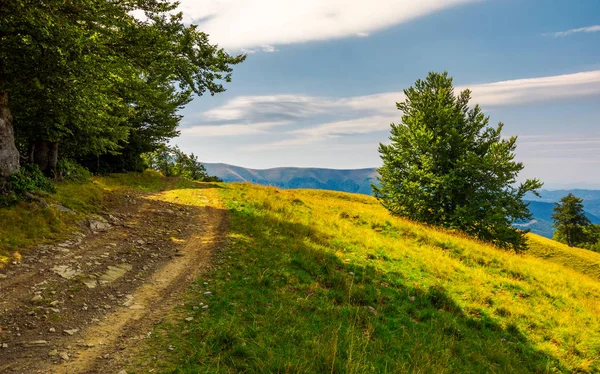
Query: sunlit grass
[[582, 260], [27, 224], [318, 281]]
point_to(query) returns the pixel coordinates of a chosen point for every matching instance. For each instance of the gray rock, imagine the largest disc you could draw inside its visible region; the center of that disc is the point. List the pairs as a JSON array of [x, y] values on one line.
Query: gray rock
[[62, 208], [65, 271], [71, 332], [114, 272], [90, 283], [98, 223]]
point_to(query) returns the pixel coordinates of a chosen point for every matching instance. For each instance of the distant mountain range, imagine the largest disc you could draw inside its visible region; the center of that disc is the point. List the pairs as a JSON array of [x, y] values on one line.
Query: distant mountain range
[[354, 180], [541, 223], [359, 181]]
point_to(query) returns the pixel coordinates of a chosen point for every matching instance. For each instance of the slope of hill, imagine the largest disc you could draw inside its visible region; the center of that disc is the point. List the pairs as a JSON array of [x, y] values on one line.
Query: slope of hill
[[359, 181], [353, 180], [319, 281], [582, 260]]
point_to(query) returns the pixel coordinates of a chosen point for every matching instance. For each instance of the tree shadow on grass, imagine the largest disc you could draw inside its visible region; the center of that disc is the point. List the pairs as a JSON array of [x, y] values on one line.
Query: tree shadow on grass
[[300, 308]]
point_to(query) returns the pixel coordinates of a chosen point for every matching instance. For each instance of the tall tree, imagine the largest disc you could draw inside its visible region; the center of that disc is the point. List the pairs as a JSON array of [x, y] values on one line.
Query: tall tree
[[9, 155], [570, 220], [75, 70], [446, 166]]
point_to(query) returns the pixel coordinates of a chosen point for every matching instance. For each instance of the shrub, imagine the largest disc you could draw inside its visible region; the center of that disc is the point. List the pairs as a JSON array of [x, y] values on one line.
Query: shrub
[[30, 178], [72, 171]]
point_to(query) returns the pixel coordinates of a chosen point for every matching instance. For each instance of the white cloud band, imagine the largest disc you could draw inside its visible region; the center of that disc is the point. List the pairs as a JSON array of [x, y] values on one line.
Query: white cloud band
[[324, 118], [238, 24], [595, 28]]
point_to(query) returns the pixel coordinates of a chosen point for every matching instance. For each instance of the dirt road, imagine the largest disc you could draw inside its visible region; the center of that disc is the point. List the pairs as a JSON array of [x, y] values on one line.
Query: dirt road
[[83, 305]]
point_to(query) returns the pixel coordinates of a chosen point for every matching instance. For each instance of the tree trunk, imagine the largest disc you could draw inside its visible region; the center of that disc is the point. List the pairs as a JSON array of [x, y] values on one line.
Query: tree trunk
[[40, 154], [9, 155], [53, 159], [44, 154], [30, 153]]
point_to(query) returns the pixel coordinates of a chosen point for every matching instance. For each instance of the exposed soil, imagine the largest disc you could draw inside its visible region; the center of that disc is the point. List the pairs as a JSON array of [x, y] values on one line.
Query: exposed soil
[[83, 305]]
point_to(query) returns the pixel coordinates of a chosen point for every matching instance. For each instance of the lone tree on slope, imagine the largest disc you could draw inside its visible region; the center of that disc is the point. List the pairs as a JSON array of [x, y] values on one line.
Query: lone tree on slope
[[445, 166], [570, 220]]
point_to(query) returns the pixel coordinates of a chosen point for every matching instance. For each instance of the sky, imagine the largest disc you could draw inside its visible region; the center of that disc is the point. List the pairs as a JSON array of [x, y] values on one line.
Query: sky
[[322, 78]]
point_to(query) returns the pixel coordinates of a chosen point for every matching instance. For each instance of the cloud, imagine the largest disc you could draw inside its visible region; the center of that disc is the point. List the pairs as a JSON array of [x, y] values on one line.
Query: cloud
[[533, 90], [265, 48], [295, 107], [230, 129], [326, 118], [238, 24], [594, 28], [328, 131], [342, 128]]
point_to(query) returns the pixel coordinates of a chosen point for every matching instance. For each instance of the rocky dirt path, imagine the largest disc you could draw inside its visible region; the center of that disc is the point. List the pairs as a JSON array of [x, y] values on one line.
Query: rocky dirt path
[[83, 305]]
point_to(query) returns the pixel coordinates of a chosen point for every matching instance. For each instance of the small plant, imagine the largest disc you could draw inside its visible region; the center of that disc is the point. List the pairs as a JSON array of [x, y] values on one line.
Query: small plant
[[72, 171], [30, 178]]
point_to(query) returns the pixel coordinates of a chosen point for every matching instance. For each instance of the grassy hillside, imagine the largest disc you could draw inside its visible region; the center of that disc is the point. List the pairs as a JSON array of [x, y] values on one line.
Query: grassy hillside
[[582, 260], [316, 281]]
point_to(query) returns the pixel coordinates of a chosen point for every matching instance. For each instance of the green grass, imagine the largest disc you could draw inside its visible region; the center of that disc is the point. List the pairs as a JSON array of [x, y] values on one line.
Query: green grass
[[149, 181], [28, 224], [582, 260], [317, 281]]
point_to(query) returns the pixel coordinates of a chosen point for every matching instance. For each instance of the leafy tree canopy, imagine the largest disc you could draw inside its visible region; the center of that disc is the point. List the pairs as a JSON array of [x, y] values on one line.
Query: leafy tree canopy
[[446, 166], [88, 75], [172, 162]]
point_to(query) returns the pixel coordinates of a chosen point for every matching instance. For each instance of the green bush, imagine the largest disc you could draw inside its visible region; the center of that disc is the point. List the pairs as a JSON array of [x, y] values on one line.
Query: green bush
[[30, 178], [172, 162], [72, 171]]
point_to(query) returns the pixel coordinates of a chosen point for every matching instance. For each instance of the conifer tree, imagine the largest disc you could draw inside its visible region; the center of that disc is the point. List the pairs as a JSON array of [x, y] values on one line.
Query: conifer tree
[[570, 220]]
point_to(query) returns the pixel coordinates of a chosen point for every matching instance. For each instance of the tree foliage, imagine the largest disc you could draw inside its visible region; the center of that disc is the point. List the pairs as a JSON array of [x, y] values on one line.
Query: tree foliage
[[570, 221], [172, 162], [90, 78], [446, 166]]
